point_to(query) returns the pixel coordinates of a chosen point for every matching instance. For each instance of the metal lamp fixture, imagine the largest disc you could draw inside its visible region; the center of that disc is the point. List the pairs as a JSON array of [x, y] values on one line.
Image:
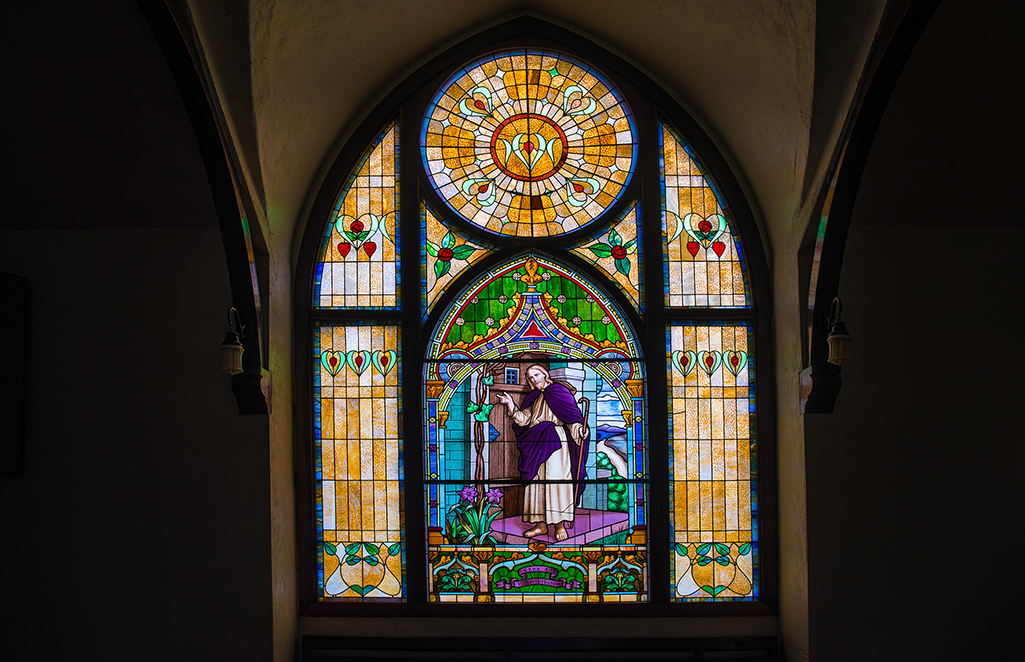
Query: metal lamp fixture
[[231, 348], [839, 340]]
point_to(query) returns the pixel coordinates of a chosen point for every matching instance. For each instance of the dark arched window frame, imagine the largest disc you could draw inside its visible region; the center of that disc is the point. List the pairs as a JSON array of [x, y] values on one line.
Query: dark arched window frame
[[650, 103]]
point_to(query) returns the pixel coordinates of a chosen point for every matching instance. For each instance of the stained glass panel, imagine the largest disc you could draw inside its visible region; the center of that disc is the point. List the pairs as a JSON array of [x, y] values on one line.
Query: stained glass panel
[[617, 253], [713, 462], [529, 143], [358, 263], [358, 455], [536, 449], [703, 260], [532, 304], [447, 253]]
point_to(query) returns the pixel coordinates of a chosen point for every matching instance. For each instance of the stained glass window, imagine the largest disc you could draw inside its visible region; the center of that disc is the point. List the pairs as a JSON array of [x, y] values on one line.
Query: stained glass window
[[714, 501], [524, 441], [447, 253], [536, 483], [703, 264], [616, 251], [357, 268], [359, 460], [529, 143]]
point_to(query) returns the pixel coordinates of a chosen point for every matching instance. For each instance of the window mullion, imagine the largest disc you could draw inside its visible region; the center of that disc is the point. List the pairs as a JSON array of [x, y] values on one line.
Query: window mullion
[[655, 353], [412, 361]]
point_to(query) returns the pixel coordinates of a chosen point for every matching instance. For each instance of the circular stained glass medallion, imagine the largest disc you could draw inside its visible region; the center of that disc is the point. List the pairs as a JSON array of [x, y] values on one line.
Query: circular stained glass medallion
[[529, 143]]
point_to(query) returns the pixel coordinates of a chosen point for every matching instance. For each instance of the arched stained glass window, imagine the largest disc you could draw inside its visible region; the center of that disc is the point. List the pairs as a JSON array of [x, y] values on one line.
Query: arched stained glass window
[[503, 406]]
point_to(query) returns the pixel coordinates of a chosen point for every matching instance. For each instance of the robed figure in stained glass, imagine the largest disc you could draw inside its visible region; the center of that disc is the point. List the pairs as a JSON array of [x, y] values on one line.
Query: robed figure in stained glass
[[552, 438]]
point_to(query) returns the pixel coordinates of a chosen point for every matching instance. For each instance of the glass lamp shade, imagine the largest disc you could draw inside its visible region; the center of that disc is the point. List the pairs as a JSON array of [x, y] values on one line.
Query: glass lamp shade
[[839, 344], [231, 354]]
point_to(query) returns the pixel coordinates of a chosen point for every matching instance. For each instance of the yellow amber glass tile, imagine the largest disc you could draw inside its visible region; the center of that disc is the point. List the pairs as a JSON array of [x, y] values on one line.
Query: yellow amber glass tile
[[366, 512], [680, 512], [744, 504], [704, 414], [732, 505], [693, 458], [380, 506], [718, 459], [743, 459], [394, 519], [729, 418], [730, 460], [366, 456], [718, 505], [715, 416], [705, 488], [693, 505], [342, 515]]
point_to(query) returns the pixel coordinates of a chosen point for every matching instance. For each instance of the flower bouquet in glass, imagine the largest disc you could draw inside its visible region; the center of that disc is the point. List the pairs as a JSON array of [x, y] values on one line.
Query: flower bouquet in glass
[[469, 521]]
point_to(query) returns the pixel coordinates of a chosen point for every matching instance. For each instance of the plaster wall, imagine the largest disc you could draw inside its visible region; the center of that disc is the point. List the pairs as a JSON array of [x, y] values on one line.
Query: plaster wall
[[140, 526], [914, 481]]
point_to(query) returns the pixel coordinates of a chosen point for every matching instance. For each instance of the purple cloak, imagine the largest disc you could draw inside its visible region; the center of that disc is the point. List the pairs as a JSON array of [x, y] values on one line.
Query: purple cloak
[[536, 444]]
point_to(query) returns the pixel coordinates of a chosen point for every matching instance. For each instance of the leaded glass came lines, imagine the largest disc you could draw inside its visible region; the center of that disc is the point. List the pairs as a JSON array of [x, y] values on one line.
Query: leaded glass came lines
[[447, 253], [714, 510], [529, 143], [358, 455], [703, 261], [616, 251], [536, 467], [358, 263]]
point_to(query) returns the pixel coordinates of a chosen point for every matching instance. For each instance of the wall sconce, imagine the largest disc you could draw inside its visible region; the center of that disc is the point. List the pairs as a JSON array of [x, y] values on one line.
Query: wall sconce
[[231, 348], [839, 340]]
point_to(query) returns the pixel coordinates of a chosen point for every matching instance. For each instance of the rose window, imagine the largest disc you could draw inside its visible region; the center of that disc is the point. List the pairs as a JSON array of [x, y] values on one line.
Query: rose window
[[529, 143]]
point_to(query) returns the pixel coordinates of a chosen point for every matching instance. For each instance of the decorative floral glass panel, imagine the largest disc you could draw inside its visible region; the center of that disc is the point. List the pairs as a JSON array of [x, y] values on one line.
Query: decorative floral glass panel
[[616, 251], [703, 261], [358, 455], [358, 264], [536, 467], [447, 253], [713, 468], [529, 143], [533, 438]]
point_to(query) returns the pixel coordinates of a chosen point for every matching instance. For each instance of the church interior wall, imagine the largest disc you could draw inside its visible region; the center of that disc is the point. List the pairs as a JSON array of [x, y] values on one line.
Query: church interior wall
[[143, 527], [913, 497]]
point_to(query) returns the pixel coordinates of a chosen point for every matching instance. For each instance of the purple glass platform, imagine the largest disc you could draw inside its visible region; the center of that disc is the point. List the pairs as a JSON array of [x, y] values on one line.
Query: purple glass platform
[[588, 526]]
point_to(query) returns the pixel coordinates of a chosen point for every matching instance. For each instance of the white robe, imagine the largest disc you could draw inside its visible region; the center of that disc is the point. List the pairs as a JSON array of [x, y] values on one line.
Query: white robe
[[549, 502]]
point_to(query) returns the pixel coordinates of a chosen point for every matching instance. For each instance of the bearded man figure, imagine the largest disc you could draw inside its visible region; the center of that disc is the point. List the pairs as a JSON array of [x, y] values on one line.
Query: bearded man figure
[[551, 436]]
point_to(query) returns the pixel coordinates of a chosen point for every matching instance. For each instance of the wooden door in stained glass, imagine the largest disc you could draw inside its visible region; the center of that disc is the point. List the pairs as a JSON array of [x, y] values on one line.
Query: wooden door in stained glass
[[704, 264], [713, 462], [529, 143], [536, 453]]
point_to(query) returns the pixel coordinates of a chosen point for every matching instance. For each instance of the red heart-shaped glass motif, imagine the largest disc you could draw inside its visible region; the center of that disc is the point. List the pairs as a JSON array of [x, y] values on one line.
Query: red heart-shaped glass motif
[[692, 248], [718, 247], [369, 247], [344, 248]]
